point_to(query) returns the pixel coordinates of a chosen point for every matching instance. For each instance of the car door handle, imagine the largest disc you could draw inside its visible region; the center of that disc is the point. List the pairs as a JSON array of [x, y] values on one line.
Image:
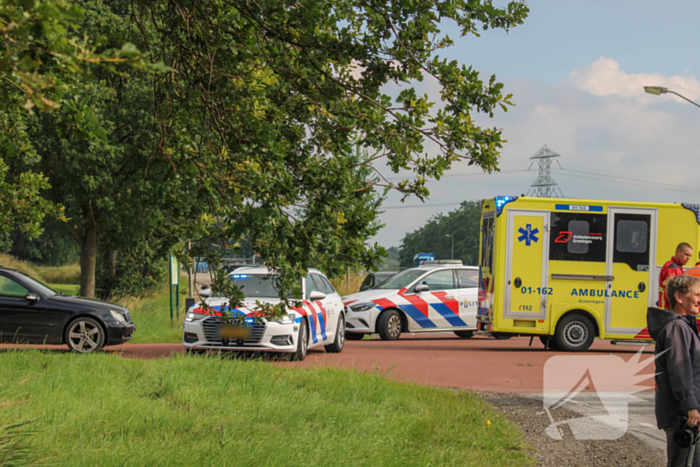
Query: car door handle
[[450, 296]]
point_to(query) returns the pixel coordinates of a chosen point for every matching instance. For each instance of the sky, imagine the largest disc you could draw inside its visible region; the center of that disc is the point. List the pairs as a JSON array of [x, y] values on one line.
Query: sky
[[576, 70]]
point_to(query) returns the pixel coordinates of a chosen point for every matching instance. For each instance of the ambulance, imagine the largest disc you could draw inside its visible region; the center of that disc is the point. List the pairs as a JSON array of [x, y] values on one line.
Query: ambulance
[[569, 270]]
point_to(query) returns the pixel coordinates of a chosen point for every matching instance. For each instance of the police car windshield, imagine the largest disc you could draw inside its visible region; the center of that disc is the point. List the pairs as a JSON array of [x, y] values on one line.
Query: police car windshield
[[401, 280], [256, 285]]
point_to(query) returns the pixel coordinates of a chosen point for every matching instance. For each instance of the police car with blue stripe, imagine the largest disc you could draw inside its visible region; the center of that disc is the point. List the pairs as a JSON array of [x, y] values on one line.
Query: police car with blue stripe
[[318, 320], [436, 296]]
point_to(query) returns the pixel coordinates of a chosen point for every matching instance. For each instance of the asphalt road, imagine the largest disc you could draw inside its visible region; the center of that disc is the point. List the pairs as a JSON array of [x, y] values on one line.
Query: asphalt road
[[480, 363]]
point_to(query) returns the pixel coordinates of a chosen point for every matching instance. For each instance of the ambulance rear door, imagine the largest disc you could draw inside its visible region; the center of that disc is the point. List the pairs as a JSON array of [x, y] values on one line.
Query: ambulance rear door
[[527, 253], [630, 269]]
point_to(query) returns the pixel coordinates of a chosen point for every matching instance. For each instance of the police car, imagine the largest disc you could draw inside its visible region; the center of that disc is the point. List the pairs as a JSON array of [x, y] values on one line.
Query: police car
[[437, 296], [318, 321]]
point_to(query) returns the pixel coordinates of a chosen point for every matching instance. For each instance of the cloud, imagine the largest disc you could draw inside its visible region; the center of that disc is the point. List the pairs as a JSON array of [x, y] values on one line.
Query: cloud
[[604, 78], [600, 120]]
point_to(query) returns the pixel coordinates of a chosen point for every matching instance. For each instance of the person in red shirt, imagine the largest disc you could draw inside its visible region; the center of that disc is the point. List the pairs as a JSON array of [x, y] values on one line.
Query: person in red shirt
[[673, 268]]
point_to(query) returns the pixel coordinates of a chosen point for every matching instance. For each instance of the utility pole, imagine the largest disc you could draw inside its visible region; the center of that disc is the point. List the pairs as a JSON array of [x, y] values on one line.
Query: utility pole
[[452, 256], [545, 186]]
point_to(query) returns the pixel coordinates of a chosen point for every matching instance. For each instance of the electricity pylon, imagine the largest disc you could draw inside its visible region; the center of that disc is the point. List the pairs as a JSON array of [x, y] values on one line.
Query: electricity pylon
[[545, 186]]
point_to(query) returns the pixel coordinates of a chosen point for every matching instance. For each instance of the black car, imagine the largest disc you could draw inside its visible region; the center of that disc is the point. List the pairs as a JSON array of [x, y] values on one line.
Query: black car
[[30, 312], [373, 279]]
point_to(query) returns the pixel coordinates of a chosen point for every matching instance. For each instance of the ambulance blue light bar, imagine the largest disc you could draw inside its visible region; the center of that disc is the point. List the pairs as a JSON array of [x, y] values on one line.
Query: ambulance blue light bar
[[501, 201], [693, 207]]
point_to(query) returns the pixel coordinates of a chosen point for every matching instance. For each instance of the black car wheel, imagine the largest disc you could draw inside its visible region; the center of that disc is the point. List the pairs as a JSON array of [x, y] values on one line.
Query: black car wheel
[[302, 343], [389, 325], [339, 341], [84, 335]]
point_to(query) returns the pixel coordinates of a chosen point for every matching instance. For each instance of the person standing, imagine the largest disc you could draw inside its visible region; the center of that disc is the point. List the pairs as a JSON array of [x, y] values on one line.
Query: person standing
[[672, 268], [677, 358]]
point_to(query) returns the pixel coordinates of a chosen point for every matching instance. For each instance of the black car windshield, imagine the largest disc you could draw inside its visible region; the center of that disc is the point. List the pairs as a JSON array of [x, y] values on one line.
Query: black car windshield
[[37, 286], [402, 279], [256, 285]]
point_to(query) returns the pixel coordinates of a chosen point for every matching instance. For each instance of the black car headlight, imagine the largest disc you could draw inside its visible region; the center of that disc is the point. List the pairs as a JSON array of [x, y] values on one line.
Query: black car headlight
[[118, 316], [363, 306]]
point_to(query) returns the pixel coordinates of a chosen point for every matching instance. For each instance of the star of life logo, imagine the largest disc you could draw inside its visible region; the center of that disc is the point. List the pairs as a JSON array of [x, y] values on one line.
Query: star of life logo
[[528, 234], [603, 384]]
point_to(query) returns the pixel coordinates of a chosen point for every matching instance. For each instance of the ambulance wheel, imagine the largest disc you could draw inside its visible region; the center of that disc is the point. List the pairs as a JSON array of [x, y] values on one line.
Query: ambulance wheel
[[574, 333], [552, 342], [389, 325], [339, 341], [353, 336], [465, 334], [302, 343]]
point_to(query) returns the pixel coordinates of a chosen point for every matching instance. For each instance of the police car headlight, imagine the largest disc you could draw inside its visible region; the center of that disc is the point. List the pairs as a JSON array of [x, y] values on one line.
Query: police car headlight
[[287, 319], [363, 306], [194, 317]]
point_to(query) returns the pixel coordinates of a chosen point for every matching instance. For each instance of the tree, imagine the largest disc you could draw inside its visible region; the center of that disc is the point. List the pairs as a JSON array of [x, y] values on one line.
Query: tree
[[96, 150], [462, 223], [269, 98]]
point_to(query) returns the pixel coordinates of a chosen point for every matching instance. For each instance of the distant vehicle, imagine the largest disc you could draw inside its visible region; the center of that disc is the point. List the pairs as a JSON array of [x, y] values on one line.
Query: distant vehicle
[[375, 278], [420, 257], [33, 313], [437, 296], [320, 321]]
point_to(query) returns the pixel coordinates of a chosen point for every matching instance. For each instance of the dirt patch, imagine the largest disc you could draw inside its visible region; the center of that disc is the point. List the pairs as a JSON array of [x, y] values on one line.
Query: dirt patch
[[569, 452]]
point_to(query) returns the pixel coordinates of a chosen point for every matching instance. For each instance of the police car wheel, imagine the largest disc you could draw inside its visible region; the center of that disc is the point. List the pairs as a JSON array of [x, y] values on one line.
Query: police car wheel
[[575, 333], [389, 325], [339, 341], [354, 336], [302, 343], [465, 334]]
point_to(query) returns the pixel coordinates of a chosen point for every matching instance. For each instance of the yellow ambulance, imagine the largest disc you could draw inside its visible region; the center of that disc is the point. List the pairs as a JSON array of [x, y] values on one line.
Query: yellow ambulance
[[570, 270]]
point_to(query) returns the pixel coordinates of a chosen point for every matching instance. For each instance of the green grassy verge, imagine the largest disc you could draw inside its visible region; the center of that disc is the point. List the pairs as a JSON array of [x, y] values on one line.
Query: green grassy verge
[[152, 317], [104, 410], [68, 289]]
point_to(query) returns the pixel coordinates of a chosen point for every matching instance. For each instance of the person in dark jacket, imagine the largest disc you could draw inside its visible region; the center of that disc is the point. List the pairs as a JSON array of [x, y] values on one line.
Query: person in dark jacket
[[677, 364]]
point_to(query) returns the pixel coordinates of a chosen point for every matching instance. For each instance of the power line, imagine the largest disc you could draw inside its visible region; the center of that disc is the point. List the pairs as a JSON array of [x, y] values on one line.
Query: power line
[[645, 183]]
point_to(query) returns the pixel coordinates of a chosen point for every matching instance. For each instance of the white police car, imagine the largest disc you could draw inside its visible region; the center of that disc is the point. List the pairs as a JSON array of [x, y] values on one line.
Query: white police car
[[437, 296], [319, 321]]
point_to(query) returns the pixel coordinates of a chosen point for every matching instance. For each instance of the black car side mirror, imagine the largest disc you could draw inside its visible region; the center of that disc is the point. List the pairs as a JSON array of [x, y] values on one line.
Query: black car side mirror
[[364, 287], [32, 297]]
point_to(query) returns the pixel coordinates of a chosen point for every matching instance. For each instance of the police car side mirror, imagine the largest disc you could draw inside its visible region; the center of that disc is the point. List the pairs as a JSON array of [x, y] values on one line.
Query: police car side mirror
[[205, 292], [421, 288], [316, 295]]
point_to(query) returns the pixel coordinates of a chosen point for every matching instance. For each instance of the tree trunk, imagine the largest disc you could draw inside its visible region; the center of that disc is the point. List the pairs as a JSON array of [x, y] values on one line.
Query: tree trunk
[[88, 259], [112, 263]]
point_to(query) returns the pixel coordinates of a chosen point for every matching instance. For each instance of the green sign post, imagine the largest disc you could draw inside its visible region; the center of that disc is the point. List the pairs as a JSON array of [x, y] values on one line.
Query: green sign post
[[174, 271]]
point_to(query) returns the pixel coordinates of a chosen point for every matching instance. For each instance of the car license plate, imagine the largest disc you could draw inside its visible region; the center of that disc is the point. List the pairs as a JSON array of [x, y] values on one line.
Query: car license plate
[[234, 332]]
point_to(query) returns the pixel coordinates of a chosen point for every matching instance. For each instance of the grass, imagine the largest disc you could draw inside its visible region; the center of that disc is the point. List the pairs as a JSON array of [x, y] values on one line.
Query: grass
[[152, 317], [24, 267], [67, 274], [104, 410], [345, 287], [68, 289]]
